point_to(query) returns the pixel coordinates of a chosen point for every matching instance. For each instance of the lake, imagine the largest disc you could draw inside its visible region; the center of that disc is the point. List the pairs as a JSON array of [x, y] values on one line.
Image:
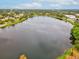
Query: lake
[[38, 37]]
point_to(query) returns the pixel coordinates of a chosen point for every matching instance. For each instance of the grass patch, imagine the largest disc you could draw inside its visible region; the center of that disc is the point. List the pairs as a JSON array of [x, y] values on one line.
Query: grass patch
[[66, 53]]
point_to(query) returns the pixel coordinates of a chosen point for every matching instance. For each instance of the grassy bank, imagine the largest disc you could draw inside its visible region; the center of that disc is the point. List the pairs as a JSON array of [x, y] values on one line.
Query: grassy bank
[[75, 41], [71, 53], [66, 53]]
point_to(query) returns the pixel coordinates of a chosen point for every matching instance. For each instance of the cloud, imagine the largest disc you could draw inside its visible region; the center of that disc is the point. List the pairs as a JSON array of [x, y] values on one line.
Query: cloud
[[56, 6], [33, 5], [48, 4], [62, 2]]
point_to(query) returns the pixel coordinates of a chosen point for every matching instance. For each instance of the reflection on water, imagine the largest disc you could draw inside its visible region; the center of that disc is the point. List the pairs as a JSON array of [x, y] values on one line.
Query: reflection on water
[[38, 37]]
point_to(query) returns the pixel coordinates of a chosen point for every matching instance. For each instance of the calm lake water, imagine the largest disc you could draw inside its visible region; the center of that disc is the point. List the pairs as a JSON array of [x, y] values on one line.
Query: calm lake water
[[38, 37]]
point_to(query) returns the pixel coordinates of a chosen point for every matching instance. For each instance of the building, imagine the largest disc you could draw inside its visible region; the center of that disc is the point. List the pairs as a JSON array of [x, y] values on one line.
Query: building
[[73, 17]]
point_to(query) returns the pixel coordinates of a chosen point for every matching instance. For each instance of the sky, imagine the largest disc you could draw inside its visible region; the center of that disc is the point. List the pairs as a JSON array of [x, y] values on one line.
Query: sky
[[39, 4]]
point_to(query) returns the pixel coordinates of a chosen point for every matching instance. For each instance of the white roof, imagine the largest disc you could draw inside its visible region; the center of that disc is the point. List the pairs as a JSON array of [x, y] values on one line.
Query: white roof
[[77, 14], [71, 16]]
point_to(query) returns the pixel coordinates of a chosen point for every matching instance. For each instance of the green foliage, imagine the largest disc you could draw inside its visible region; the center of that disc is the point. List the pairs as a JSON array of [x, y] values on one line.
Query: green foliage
[[75, 35], [75, 32], [76, 46], [76, 24]]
